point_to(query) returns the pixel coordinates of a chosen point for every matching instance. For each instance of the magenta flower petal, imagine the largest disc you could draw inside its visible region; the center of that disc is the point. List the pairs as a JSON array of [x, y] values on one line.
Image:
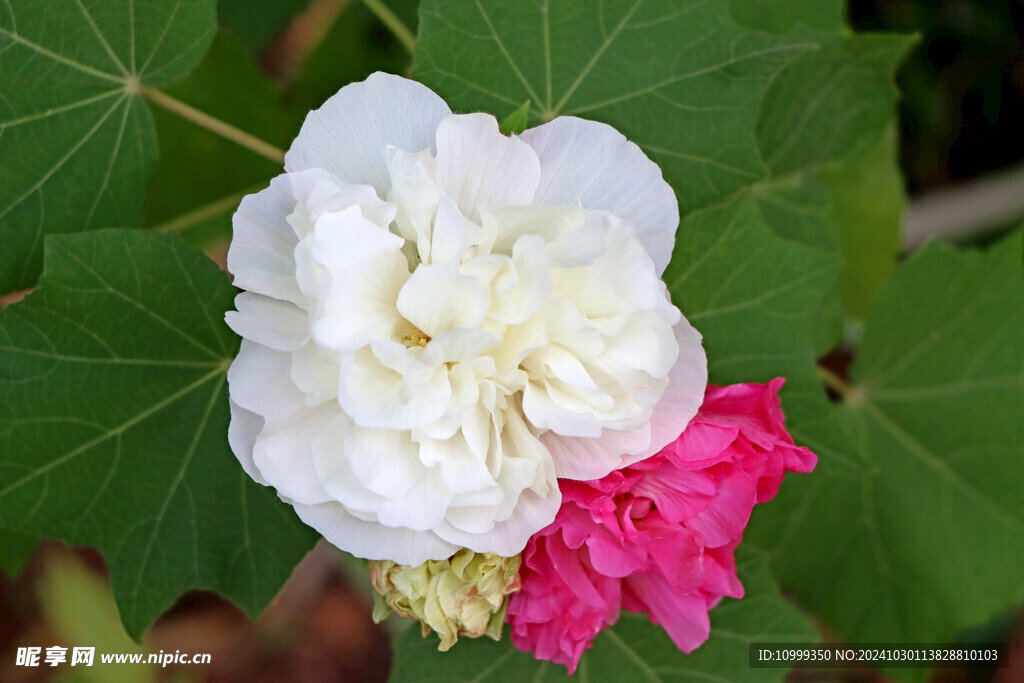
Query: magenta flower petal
[[684, 616], [658, 536]]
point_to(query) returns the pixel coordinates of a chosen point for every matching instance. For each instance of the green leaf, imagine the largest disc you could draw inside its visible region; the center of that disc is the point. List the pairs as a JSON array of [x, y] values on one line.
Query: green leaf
[[632, 650], [752, 294], [823, 104], [15, 551], [515, 123], [700, 93], [781, 16], [76, 140], [867, 200], [199, 169], [854, 207], [114, 414], [679, 77], [916, 512], [798, 207]]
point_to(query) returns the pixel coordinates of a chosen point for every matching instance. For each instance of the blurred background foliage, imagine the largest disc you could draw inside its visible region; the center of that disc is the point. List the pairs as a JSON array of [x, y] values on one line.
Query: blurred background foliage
[[963, 87], [961, 118]]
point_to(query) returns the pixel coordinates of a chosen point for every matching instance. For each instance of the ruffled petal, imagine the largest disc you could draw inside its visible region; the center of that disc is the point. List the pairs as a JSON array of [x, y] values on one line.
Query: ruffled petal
[[532, 512], [259, 380], [593, 165], [687, 381], [534, 507], [349, 133], [364, 270], [284, 455], [245, 426], [435, 300], [262, 244], [478, 166], [592, 458], [683, 616], [278, 324], [372, 540]]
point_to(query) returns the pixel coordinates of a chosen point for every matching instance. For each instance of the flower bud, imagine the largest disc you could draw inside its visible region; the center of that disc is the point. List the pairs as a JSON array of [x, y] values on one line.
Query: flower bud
[[465, 595]]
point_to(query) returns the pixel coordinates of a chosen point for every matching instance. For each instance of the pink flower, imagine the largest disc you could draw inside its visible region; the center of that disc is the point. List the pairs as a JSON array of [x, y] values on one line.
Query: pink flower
[[658, 536]]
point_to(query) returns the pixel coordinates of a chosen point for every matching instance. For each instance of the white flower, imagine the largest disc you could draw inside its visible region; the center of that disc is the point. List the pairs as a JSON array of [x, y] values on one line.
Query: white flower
[[440, 320]]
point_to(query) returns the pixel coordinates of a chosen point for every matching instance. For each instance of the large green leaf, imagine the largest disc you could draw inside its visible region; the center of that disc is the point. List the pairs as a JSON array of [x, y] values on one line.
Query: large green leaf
[[867, 201], [823, 104], [781, 16], [633, 650], [76, 139], [702, 94], [113, 414], [854, 207], [678, 77], [202, 176], [15, 551], [752, 294], [916, 512]]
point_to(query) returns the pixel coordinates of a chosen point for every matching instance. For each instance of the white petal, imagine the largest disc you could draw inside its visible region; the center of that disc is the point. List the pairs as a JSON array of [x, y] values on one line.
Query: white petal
[[375, 395], [533, 283], [260, 256], [687, 381], [386, 461], [622, 278], [504, 225], [534, 507], [371, 540], [278, 324], [545, 412], [436, 300], [580, 246], [422, 508], [284, 454], [382, 462], [259, 380], [461, 470], [459, 346], [592, 164], [585, 459], [532, 513], [348, 134], [317, 192], [645, 342], [478, 166], [245, 426], [448, 236], [416, 199], [364, 270], [315, 373]]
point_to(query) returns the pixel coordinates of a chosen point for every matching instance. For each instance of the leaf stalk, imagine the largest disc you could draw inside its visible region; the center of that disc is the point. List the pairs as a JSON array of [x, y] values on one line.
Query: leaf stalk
[[394, 24], [214, 125]]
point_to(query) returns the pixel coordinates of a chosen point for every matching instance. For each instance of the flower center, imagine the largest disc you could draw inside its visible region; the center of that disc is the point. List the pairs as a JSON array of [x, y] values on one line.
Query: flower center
[[416, 338]]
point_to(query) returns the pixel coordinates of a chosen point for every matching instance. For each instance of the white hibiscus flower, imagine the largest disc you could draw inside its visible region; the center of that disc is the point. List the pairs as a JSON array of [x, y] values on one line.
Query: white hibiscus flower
[[439, 320]]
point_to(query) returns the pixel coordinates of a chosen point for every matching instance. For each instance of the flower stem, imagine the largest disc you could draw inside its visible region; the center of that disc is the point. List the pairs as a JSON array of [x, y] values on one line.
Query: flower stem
[[225, 130], [199, 215], [966, 210], [391, 20]]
